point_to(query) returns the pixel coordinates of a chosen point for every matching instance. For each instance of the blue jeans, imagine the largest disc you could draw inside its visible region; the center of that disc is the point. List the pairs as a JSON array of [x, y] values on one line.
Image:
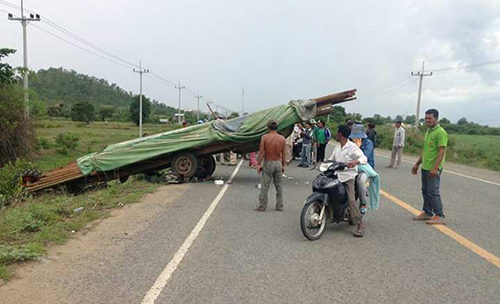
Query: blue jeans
[[431, 194], [306, 155]]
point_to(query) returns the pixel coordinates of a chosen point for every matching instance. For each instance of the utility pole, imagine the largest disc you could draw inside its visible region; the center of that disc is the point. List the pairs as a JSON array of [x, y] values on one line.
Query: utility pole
[[24, 23], [242, 101], [198, 113], [421, 75], [180, 87], [140, 71]]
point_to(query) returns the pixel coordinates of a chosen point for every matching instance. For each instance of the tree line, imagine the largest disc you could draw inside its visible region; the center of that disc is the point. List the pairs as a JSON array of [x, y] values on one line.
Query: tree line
[[461, 126]]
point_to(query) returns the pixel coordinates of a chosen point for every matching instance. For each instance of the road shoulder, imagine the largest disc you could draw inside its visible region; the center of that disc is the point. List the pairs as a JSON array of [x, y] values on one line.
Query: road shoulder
[[54, 278]]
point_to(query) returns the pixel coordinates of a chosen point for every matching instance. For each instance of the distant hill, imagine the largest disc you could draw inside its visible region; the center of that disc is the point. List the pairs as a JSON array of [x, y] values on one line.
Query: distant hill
[[61, 86], [67, 87]]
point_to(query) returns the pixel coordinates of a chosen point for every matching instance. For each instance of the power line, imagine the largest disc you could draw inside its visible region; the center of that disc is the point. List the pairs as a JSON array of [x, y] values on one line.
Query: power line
[[390, 86], [80, 47], [76, 37], [381, 93], [468, 66], [170, 83], [95, 50]]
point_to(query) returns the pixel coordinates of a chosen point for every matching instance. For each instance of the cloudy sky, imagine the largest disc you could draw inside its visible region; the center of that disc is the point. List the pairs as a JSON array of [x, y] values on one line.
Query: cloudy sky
[[281, 50]]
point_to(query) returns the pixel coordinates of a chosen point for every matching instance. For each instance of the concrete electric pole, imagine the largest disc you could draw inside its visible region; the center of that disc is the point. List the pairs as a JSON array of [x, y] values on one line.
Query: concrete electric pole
[[421, 75], [24, 22], [242, 101], [180, 87], [198, 111], [140, 71]]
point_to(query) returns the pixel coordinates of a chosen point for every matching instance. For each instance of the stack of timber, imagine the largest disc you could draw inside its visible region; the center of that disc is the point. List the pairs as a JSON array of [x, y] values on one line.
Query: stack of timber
[[58, 176]]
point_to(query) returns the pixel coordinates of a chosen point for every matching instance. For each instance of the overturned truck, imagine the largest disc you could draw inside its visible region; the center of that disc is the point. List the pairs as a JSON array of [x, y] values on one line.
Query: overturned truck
[[188, 151]]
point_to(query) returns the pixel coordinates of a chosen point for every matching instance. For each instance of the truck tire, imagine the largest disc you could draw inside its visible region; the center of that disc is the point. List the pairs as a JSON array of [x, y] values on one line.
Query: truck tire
[[184, 164], [206, 167]]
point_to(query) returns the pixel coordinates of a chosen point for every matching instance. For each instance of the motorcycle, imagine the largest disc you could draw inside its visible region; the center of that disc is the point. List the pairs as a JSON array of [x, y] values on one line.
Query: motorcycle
[[327, 202]]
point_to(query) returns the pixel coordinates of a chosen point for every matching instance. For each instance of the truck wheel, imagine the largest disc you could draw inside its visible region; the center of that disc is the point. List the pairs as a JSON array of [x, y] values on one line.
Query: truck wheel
[[184, 164], [206, 167]]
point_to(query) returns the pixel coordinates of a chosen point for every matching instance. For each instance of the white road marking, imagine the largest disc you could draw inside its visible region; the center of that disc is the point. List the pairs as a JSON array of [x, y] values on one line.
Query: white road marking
[[164, 277], [448, 171]]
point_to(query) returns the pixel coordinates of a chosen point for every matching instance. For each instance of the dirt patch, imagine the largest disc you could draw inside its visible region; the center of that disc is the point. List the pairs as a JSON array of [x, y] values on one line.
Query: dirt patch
[[52, 279]]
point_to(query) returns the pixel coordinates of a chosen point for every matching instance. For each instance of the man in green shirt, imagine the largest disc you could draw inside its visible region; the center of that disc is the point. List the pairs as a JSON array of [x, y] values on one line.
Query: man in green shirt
[[321, 142], [432, 160]]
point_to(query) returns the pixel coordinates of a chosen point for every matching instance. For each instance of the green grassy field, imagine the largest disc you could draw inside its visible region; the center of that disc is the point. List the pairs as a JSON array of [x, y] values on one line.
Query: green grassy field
[[474, 150], [91, 138], [27, 227]]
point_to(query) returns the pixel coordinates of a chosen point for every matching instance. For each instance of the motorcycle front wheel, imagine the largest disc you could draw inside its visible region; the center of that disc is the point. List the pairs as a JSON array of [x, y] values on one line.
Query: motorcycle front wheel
[[312, 222]]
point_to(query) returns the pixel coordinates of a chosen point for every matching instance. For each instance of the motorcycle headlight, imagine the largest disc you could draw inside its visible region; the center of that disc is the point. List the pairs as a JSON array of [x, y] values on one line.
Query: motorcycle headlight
[[323, 167]]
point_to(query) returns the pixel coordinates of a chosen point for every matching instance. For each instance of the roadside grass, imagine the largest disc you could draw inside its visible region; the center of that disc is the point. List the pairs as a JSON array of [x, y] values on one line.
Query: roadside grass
[[476, 150], [28, 227], [481, 151]]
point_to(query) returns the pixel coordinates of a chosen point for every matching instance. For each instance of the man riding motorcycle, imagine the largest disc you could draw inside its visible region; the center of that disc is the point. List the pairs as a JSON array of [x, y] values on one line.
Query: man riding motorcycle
[[349, 153]]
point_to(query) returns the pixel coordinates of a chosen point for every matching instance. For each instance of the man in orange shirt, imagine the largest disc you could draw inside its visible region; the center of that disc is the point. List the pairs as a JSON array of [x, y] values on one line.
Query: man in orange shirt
[[271, 163]]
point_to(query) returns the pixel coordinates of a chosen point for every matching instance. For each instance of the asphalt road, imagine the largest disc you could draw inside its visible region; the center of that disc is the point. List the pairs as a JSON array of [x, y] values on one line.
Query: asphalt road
[[242, 256]]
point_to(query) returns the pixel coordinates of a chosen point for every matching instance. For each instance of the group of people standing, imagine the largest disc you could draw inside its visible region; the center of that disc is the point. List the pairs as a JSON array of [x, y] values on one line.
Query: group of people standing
[[310, 138], [355, 148]]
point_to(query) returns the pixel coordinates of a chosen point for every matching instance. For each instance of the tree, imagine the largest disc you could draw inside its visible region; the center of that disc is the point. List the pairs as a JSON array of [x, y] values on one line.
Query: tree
[[7, 73], [17, 138], [356, 117], [106, 112], [444, 121], [55, 110], [338, 114], [84, 112], [462, 121], [134, 109], [378, 119], [398, 118], [410, 119]]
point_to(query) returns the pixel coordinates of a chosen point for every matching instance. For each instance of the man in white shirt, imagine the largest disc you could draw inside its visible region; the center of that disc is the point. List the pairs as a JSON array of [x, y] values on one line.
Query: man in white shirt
[[350, 154], [397, 145]]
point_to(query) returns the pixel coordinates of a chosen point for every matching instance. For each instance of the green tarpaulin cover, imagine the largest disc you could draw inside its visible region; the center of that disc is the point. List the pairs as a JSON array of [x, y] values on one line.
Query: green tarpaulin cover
[[243, 129]]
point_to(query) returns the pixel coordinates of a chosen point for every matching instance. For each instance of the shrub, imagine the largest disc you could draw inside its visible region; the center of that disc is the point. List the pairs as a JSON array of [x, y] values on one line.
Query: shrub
[[17, 137], [66, 142], [11, 188], [11, 254], [84, 112], [44, 143]]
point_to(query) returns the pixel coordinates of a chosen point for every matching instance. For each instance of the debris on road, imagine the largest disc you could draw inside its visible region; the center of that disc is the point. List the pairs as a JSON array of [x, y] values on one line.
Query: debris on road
[[78, 210]]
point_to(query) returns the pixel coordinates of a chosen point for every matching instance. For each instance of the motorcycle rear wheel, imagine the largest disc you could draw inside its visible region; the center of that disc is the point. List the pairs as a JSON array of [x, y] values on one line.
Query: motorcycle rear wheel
[[311, 224]]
